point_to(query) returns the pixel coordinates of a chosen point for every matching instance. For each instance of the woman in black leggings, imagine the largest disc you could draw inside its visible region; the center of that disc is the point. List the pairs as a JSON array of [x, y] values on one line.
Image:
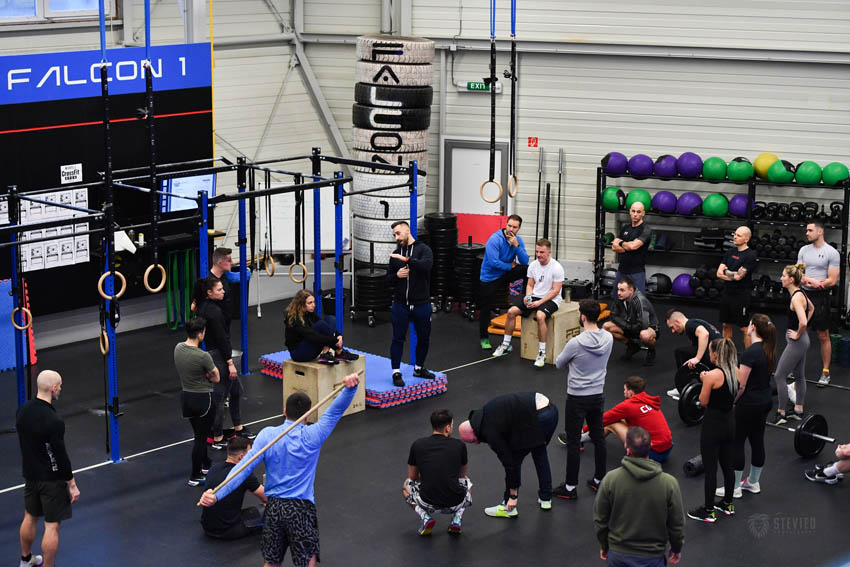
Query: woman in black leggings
[[719, 390], [754, 402]]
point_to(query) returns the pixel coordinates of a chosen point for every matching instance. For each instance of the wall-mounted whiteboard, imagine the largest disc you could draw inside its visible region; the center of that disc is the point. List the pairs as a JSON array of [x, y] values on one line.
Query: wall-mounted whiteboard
[[283, 220]]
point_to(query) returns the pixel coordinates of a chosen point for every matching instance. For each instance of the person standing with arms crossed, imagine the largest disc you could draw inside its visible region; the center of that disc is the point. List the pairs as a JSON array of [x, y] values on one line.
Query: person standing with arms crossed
[[505, 261], [409, 275], [737, 269], [50, 487], [823, 267], [632, 245]]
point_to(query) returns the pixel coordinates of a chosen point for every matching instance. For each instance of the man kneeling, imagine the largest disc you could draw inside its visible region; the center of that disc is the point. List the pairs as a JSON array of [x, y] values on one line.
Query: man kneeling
[[633, 321], [542, 299], [229, 520], [641, 410], [436, 480]]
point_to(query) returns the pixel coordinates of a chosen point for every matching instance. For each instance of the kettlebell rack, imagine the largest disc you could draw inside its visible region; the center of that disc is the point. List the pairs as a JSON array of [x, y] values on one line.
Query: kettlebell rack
[[773, 225]]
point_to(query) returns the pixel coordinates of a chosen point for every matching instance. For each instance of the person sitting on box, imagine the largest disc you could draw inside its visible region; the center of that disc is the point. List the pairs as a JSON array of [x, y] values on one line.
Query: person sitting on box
[[633, 321], [310, 338], [542, 298]]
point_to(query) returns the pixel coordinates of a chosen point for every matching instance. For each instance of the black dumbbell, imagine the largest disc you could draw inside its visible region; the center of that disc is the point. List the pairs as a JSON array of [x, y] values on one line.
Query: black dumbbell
[[700, 292], [767, 250], [702, 272], [695, 282], [713, 293], [719, 284]]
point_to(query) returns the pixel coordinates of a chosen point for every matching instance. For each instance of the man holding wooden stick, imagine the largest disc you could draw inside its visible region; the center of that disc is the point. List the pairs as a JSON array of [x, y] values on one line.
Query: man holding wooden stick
[[290, 520]]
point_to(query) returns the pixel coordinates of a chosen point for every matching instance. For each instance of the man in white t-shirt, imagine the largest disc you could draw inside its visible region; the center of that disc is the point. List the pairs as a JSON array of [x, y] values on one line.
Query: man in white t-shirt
[[542, 297]]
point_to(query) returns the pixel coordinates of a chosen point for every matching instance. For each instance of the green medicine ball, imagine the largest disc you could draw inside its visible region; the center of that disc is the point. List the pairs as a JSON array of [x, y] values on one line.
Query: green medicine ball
[[835, 173], [740, 169], [714, 169], [781, 171], [808, 173], [641, 195], [715, 205], [613, 199]]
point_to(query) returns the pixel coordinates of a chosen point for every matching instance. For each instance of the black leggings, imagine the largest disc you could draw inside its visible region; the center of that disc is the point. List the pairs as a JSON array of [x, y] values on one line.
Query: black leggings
[[491, 293], [749, 425], [198, 408], [716, 442]]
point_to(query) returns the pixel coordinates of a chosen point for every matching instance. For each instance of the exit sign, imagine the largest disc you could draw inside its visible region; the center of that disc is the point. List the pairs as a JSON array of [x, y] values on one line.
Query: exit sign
[[477, 87]]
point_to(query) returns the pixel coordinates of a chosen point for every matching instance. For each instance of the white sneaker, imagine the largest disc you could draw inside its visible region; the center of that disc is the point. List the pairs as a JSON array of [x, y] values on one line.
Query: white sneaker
[[721, 492], [792, 392], [503, 349], [34, 560], [540, 361], [674, 393], [823, 381], [755, 488]]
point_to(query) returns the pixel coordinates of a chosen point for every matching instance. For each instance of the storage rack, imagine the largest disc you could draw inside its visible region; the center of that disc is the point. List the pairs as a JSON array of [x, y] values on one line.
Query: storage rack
[[670, 258]]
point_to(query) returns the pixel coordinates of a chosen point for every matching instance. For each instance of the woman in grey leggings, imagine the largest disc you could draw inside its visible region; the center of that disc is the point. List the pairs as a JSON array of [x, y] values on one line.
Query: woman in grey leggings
[[793, 358]]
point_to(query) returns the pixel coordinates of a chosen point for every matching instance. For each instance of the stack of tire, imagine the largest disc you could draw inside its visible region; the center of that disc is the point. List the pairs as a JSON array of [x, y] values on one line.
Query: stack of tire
[[391, 116]]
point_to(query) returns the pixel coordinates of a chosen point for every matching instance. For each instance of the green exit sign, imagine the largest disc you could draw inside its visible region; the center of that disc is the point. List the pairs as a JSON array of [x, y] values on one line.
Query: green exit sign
[[477, 86]]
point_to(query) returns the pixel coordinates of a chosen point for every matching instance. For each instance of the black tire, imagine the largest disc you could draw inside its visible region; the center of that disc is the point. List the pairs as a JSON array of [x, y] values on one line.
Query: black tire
[[396, 119], [395, 49], [393, 97], [394, 74]]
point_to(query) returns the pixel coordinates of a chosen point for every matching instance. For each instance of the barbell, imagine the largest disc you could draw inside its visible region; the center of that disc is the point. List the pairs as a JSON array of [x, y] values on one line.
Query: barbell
[[809, 437]]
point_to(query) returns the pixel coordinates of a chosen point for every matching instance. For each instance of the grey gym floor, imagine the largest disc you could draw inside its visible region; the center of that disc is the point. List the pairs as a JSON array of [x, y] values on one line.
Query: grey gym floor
[[141, 512]]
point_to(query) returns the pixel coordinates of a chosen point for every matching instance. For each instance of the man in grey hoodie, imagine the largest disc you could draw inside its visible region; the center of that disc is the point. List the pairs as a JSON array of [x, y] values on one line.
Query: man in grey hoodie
[[638, 509], [587, 357]]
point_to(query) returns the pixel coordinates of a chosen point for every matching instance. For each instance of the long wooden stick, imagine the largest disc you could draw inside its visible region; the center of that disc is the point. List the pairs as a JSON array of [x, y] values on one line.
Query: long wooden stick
[[307, 414]]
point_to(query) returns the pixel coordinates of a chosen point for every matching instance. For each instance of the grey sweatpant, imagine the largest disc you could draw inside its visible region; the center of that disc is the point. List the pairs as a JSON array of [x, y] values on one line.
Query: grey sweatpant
[[793, 359]]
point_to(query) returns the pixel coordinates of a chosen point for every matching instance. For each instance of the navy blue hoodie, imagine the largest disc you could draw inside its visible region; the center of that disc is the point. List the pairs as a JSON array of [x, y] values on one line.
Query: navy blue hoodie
[[415, 289]]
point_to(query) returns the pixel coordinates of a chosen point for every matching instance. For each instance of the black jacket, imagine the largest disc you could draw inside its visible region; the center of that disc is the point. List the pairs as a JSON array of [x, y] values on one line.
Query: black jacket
[[41, 433], [297, 332], [508, 423], [416, 288], [635, 315], [216, 337]]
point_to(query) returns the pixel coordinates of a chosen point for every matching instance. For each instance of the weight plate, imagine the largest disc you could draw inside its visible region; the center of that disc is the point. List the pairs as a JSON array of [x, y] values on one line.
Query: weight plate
[[806, 445], [689, 409]]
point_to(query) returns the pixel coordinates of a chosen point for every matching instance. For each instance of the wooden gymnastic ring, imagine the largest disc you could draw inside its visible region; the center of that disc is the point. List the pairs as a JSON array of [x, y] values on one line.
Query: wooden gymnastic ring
[[104, 343], [120, 276], [147, 275], [300, 265], [28, 314], [513, 182], [497, 184], [268, 261]]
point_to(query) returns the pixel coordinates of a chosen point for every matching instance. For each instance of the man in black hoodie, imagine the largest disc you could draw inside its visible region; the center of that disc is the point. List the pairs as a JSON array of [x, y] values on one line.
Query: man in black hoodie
[[409, 276], [638, 509]]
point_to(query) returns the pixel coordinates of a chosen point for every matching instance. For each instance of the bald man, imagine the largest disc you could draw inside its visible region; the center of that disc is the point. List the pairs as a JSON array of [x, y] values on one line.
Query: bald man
[[737, 269], [50, 488], [631, 246]]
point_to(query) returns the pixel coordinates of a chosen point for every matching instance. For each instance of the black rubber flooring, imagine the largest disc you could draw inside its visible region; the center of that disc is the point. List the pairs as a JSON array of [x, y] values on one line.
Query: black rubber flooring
[[141, 512]]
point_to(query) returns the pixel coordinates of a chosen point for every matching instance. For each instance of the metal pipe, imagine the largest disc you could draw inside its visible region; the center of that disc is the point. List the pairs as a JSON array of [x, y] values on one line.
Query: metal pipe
[[241, 172], [56, 204], [275, 191], [315, 158]]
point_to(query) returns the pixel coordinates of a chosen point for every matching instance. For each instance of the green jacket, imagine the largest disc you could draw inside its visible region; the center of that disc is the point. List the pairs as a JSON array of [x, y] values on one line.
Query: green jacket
[[638, 509]]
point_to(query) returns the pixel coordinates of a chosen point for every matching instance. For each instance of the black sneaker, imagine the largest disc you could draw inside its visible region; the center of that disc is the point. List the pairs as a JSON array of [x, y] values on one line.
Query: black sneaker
[[593, 484], [327, 358], [726, 507], [778, 418], [650, 358], [561, 491], [819, 476], [423, 372], [397, 381], [793, 415], [197, 481], [345, 356], [631, 349], [702, 515], [562, 438], [219, 445], [820, 468], [246, 433]]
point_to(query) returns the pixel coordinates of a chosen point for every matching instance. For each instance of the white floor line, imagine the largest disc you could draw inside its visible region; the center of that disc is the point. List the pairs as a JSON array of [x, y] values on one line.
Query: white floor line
[[183, 442]]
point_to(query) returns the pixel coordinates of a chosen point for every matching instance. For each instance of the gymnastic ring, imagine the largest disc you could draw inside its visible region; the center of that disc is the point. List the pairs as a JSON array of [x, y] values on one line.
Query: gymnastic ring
[[497, 184], [303, 267], [120, 276], [513, 182], [147, 275], [269, 264], [104, 343], [28, 314]]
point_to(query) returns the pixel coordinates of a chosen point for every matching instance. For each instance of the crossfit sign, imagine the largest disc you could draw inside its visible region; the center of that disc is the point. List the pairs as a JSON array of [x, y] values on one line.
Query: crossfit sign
[[72, 173]]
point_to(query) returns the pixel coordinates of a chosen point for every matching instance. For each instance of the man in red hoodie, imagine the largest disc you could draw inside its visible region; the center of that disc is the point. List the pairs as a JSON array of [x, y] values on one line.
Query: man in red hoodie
[[641, 410]]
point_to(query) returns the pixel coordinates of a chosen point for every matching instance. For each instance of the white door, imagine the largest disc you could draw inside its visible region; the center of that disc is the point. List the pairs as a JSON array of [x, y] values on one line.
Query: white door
[[469, 167]]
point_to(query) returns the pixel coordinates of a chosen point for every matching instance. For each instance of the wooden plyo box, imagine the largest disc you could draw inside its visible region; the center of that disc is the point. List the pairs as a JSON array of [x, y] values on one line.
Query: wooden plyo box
[[318, 380], [561, 327]]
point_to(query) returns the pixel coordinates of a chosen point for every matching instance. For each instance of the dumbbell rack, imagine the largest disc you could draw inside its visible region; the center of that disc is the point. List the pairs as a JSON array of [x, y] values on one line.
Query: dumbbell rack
[[689, 257]]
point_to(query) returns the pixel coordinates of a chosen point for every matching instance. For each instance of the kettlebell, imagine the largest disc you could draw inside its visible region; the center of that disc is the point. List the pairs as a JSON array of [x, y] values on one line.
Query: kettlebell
[[836, 212], [759, 210], [795, 211], [771, 211]]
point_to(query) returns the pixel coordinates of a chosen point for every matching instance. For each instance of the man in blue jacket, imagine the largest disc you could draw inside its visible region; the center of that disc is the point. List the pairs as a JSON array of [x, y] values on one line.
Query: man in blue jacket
[[290, 520], [409, 276], [505, 261]]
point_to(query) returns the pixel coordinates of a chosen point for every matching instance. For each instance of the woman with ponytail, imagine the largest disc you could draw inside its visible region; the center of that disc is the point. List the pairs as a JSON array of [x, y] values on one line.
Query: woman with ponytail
[[754, 402], [719, 390]]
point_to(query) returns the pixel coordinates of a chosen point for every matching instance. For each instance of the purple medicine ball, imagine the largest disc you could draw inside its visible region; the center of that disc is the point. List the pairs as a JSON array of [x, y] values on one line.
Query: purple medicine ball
[[689, 204], [682, 285], [640, 165], [664, 202], [615, 163], [665, 166], [738, 205], [689, 165]]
